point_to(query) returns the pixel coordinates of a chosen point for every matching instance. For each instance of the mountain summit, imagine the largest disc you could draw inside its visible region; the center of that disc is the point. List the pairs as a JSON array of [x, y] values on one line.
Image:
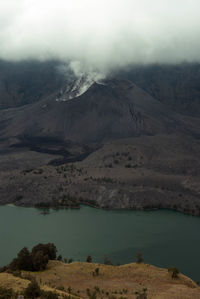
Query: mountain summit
[[77, 87]]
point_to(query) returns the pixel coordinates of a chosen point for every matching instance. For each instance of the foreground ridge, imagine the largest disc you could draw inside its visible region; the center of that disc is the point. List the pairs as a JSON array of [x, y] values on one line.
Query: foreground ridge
[[82, 280]]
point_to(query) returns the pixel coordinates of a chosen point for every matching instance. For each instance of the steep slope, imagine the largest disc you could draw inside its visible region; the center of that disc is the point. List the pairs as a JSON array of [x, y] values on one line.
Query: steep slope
[[174, 85], [157, 166], [27, 81], [115, 109]]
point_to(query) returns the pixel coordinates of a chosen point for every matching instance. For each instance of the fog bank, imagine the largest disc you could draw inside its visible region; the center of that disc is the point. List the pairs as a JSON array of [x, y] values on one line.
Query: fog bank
[[99, 36]]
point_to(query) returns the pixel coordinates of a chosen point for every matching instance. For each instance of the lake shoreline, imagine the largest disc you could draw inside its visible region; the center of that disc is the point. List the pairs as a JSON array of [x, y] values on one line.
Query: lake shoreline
[[78, 207], [164, 237]]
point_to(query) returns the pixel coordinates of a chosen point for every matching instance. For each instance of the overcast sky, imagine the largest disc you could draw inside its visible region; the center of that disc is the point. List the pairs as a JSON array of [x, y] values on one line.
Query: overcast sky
[[102, 34]]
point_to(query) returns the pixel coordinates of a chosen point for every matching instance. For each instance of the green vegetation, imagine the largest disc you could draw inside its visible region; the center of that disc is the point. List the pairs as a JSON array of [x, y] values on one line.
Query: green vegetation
[[91, 294], [6, 293], [33, 290], [139, 258], [89, 259], [174, 272], [96, 272], [35, 260]]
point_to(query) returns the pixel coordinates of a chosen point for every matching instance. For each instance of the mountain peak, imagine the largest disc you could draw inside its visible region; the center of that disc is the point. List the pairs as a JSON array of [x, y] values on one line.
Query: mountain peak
[[77, 88]]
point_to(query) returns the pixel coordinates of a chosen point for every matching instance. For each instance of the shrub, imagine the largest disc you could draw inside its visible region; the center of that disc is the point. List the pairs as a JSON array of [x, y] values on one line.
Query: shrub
[[59, 258], [70, 261], [97, 289], [49, 295], [142, 296], [109, 165], [6, 293], [139, 258], [174, 272], [89, 259], [33, 290], [91, 294], [69, 289], [18, 197], [17, 273], [128, 165], [96, 272], [3, 269]]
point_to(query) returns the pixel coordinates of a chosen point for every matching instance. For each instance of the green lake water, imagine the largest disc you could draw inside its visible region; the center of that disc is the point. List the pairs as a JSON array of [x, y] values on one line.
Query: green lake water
[[165, 238]]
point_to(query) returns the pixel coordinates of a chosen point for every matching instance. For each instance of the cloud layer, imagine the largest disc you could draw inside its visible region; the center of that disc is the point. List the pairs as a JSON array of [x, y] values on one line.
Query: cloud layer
[[101, 34]]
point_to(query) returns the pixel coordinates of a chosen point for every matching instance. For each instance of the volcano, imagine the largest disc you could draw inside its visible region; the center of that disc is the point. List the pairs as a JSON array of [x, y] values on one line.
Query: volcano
[[90, 111], [113, 145]]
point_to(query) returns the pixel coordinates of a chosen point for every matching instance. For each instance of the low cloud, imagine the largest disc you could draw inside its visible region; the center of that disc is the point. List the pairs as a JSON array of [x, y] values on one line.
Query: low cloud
[[99, 36]]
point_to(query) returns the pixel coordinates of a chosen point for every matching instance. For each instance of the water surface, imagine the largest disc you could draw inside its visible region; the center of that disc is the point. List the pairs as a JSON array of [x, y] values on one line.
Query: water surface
[[164, 237]]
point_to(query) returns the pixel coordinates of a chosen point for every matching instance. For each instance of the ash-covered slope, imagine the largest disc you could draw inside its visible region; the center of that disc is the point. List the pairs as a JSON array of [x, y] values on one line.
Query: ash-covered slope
[[177, 85], [109, 110], [75, 89]]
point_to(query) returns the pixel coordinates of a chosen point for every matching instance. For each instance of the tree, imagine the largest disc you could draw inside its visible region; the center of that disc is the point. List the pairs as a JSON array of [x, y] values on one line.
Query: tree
[[33, 290], [139, 258], [48, 249], [174, 272], [89, 259], [59, 258], [23, 261], [40, 260]]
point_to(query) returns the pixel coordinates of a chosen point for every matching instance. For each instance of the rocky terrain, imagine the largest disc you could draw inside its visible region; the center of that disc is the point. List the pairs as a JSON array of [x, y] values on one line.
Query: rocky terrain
[[136, 173], [27, 82], [177, 86], [112, 146], [78, 280]]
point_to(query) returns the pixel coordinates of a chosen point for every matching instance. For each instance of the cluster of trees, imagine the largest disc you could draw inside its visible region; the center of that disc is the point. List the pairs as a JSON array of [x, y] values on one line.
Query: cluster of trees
[[35, 260]]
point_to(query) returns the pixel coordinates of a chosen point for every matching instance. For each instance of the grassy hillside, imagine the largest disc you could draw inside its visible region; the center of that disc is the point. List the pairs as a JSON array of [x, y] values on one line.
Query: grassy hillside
[[112, 282]]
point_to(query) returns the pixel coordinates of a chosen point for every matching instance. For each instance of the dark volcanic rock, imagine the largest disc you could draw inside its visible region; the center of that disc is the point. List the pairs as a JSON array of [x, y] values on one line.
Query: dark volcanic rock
[[157, 166], [115, 109]]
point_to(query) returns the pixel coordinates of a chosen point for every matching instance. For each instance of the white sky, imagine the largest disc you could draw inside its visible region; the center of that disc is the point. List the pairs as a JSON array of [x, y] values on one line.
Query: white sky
[[101, 34]]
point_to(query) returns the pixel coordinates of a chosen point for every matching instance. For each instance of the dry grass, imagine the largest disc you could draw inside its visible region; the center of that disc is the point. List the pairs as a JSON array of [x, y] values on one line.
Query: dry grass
[[18, 284], [119, 281], [11, 282], [113, 282]]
